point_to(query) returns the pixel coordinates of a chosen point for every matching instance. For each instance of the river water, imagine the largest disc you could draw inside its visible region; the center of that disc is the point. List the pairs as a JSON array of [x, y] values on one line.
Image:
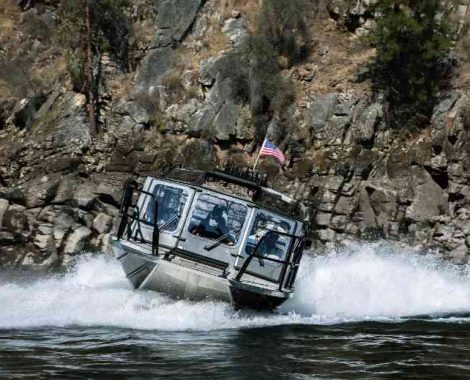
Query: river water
[[369, 312]]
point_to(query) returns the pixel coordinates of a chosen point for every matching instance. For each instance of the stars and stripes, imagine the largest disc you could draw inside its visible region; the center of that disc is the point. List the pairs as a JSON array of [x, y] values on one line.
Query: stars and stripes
[[269, 149]]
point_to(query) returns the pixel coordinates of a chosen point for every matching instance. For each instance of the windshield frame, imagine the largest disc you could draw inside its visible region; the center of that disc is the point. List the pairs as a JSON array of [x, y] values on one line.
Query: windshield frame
[[186, 192], [240, 235]]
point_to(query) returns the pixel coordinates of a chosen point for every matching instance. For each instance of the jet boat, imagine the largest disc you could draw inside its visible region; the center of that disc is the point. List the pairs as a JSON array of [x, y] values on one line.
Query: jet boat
[[220, 235]]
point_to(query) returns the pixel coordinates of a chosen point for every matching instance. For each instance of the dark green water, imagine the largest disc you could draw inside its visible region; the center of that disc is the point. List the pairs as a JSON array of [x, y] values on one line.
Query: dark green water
[[412, 349], [351, 318]]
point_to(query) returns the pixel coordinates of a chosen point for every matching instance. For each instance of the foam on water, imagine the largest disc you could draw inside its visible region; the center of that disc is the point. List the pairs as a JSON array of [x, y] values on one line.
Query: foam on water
[[365, 282]]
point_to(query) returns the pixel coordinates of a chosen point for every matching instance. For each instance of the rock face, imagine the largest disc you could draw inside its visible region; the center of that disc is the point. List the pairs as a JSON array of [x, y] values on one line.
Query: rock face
[[77, 240], [176, 98]]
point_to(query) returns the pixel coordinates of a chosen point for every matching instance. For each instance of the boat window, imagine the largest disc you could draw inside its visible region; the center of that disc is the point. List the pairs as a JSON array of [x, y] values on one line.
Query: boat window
[[275, 245], [171, 201], [217, 218]]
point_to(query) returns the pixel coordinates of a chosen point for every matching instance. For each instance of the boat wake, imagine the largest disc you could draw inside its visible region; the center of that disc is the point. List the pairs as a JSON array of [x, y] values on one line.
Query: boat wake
[[364, 282]]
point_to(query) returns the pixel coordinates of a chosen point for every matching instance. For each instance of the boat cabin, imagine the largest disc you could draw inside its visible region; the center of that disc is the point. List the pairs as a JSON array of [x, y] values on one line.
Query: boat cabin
[[224, 223]]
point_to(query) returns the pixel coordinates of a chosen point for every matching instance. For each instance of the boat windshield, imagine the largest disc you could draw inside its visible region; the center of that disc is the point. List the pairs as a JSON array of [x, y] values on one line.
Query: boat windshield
[[171, 201], [275, 245], [217, 218]]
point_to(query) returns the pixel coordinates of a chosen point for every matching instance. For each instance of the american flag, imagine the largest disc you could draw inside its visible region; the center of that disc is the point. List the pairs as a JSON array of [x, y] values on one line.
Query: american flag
[[269, 149]]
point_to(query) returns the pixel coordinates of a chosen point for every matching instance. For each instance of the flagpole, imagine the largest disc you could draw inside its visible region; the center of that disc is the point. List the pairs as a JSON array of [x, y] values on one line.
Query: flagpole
[[259, 153]]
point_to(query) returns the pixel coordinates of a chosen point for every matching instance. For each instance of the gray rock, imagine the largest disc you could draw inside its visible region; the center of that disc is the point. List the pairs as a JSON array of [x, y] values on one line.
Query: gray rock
[[41, 191], [65, 190], [59, 234], [12, 194], [64, 221], [383, 201], [175, 17], [45, 229], [459, 254], [219, 114], [338, 222], [23, 114], [44, 242], [183, 113], [102, 223], [6, 238], [3, 208], [225, 122], [323, 219], [14, 219], [363, 128], [326, 235], [320, 111], [429, 199], [106, 244], [77, 240], [85, 218], [155, 65], [84, 197], [235, 29], [367, 214], [63, 118]]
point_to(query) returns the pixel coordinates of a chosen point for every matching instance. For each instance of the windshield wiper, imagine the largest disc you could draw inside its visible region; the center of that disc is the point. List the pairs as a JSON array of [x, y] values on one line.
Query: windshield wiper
[[168, 222], [217, 242]]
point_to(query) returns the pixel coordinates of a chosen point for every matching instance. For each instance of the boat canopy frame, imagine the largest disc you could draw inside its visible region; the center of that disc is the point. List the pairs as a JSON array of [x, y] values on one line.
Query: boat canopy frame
[[130, 227]]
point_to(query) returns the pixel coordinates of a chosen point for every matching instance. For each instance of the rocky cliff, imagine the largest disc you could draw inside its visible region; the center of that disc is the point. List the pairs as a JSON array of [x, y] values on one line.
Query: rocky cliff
[[180, 94]]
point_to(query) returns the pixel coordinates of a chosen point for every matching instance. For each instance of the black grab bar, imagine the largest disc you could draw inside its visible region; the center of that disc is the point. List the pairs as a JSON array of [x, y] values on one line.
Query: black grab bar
[[129, 217], [295, 249]]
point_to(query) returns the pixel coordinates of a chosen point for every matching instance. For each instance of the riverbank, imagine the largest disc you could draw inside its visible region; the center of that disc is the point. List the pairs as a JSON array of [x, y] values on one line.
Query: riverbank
[[170, 100]]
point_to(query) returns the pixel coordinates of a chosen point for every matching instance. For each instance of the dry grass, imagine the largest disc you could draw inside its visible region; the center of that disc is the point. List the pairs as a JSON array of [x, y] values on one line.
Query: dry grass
[[122, 86], [343, 54], [173, 84], [248, 8], [9, 19]]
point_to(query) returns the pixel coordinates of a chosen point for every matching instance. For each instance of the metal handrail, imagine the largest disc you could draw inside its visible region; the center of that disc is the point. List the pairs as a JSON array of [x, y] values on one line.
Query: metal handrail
[[285, 263], [127, 219]]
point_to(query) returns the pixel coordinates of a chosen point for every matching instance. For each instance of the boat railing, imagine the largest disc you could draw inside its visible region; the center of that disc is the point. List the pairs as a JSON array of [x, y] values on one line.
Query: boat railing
[[131, 221], [290, 263]]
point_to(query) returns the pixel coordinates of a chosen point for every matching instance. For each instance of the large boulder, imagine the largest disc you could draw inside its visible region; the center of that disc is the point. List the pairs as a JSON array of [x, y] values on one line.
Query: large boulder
[[40, 191], [364, 124], [77, 241], [428, 199], [62, 118], [320, 111], [235, 29], [14, 219], [102, 223], [175, 17]]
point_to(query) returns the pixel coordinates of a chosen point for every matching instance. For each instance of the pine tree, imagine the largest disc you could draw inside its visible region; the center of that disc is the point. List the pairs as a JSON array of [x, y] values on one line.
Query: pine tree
[[412, 38], [87, 30]]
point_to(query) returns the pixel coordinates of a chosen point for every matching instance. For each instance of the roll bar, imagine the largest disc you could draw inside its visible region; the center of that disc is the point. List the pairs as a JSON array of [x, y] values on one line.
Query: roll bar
[[128, 218], [295, 248]]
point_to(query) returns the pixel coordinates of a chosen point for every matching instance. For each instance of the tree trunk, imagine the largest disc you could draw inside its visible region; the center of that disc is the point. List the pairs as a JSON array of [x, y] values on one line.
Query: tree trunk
[[89, 82]]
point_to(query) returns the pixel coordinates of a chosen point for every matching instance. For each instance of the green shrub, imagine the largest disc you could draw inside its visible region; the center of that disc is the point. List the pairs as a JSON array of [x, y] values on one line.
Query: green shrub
[[412, 39], [283, 24], [253, 68], [76, 68]]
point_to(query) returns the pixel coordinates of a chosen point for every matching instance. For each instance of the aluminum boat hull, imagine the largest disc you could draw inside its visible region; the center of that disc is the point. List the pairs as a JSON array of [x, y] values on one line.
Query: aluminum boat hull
[[165, 275]]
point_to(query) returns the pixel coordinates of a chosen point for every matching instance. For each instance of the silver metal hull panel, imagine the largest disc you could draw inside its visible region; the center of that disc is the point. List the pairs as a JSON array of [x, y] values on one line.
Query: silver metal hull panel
[[148, 272], [136, 266], [181, 282]]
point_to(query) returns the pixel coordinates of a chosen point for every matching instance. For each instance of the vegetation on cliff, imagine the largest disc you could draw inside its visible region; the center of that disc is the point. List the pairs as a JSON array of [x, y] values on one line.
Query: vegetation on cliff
[[279, 40], [413, 39], [88, 29]]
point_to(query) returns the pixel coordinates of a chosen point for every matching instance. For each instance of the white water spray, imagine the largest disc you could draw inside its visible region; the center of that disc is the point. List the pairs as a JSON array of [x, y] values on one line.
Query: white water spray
[[362, 283]]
